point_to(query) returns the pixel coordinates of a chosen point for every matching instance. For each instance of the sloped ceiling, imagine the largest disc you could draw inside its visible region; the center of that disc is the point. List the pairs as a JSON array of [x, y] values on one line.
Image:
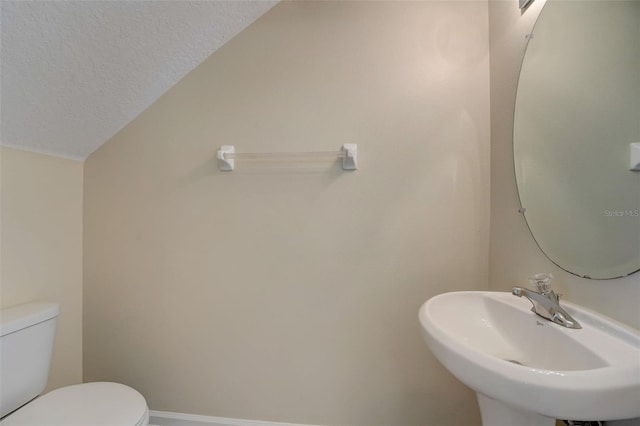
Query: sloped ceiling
[[73, 73]]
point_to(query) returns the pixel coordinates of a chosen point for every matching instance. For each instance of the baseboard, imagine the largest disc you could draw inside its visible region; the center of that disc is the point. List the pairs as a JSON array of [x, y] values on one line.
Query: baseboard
[[165, 418]]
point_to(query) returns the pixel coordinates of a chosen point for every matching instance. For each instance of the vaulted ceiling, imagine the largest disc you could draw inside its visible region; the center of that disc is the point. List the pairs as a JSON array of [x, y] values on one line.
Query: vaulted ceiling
[[73, 73]]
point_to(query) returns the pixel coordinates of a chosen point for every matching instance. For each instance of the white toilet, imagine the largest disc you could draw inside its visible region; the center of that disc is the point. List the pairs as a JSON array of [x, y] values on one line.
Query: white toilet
[[26, 342]]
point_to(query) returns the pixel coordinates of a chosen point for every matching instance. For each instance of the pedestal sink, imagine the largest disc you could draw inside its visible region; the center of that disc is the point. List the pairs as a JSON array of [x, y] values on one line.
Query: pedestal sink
[[528, 371]]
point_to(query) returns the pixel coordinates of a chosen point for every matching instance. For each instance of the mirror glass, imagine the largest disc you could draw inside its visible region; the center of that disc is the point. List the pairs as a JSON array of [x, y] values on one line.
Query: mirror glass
[[577, 112]]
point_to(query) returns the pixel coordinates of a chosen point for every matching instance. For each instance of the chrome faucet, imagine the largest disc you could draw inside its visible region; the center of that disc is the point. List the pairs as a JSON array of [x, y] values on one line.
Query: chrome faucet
[[546, 303]]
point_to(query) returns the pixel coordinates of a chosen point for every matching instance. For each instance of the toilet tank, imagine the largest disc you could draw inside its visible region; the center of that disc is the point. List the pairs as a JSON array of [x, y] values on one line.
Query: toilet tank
[[26, 342]]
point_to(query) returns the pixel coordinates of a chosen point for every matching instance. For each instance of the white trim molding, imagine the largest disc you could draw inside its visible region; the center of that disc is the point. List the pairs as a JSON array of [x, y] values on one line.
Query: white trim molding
[[166, 418]]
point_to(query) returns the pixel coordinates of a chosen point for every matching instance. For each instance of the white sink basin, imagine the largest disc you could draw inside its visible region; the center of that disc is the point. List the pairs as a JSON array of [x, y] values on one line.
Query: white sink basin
[[523, 365]]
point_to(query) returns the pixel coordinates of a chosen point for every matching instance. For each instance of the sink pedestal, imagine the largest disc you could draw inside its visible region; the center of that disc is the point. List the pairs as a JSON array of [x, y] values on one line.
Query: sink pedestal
[[497, 413]]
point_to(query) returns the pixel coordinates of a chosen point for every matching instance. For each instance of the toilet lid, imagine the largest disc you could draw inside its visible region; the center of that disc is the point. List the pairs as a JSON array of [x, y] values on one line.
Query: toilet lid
[[95, 404]]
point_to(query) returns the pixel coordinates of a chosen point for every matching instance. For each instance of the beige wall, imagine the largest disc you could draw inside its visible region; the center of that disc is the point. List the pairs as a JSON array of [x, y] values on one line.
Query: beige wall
[[514, 254], [292, 295], [41, 247]]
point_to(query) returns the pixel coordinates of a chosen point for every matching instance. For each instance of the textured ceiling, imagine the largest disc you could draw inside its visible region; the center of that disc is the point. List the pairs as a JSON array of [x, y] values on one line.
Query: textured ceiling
[[73, 73]]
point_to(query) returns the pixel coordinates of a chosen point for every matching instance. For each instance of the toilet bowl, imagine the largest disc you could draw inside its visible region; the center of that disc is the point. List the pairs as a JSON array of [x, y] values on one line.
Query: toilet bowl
[[26, 342], [95, 404]]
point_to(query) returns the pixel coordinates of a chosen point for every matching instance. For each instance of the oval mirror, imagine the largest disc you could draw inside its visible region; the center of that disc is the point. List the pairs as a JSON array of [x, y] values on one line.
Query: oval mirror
[[577, 115]]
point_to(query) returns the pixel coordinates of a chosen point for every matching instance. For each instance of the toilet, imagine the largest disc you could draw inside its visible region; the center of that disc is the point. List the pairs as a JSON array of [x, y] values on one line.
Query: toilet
[[26, 343]]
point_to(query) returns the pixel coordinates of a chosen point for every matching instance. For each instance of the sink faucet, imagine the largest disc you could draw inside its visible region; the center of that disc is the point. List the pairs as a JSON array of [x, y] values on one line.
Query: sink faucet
[[546, 303]]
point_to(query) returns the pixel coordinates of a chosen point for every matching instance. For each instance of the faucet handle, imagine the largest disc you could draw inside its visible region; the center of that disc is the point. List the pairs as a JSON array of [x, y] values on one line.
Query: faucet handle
[[542, 282]]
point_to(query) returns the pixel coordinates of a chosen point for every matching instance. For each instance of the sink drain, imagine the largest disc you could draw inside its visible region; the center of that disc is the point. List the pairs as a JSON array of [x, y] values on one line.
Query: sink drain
[[513, 361]]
